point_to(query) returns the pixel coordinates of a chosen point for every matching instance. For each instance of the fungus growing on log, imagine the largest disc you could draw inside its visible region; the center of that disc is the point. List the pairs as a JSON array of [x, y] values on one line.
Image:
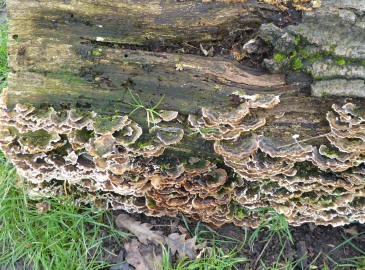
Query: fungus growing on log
[[229, 139]]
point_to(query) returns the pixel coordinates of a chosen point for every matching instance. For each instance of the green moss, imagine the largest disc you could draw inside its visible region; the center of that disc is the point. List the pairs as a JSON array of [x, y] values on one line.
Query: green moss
[[85, 134], [331, 152], [297, 64], [339, 190], [318, 56], [37, 138], [282, 191], [104, 124], [303, 52], [309, 196], [341, 62], [278, 57], [253, 189], [293, 54], [144, 144], [4, 70], [358, 201], [96, 52], [151, 202], [65, 77], [297, 40], [327, 200], [240, 212], [198, 165], [314, 57], [306, 169], [270, 185]]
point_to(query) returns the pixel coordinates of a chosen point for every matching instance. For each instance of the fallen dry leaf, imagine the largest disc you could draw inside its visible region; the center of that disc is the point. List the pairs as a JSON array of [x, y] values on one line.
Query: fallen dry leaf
[[177, 242], [183, 230], [183, 247], [142, 257], [205, 250], [141, 230], [43, 207], [352, 230]]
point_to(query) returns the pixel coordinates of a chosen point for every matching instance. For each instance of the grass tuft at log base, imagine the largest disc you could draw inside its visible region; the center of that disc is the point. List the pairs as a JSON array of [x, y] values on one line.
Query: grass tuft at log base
[[115, 163]]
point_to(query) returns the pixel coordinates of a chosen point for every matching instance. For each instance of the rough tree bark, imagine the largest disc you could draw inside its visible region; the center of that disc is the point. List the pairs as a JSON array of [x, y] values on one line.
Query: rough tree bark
[[210, 108]]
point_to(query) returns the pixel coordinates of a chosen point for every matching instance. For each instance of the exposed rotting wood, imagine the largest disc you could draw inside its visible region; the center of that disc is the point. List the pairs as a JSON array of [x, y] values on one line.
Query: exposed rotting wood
[[103, 78], [143, 23], [225, 138]]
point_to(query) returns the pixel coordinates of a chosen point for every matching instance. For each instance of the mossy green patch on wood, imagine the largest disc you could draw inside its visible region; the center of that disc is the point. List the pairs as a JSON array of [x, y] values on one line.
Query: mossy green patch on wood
[[240, 212], [37, 138]]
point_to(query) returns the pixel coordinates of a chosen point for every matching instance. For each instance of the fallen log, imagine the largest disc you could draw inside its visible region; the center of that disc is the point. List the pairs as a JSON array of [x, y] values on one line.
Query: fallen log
[[150, 107]]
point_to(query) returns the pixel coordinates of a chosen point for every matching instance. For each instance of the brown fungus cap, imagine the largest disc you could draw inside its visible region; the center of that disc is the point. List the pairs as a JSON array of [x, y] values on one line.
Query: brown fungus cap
[[227, 115], [333, 164], [169, 135], [102, 146], [268, 102], [347, 128], [291, 149], [128, 134], [239, 148], [168, 116]]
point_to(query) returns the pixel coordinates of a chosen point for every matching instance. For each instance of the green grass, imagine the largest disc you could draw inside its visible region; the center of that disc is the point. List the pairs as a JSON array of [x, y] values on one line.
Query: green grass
[[276, 224], [4, 70], [213, 259], [150, 112], [65, 237]]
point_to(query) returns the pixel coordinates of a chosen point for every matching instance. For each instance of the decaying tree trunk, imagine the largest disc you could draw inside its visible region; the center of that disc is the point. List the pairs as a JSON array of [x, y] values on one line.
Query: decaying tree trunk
[[168, 106]]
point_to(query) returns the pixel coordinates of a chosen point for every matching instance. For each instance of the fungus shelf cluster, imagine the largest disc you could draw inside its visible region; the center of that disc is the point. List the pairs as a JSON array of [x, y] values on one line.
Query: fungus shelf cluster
[[114, 162]]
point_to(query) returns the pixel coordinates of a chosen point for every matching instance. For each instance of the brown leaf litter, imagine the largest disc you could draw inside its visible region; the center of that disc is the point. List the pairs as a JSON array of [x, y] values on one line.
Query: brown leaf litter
[[146, 252]]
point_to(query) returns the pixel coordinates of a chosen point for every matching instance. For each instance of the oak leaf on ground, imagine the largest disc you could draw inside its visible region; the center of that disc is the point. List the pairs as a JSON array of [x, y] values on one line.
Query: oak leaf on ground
[[141, 230], [142, 257]]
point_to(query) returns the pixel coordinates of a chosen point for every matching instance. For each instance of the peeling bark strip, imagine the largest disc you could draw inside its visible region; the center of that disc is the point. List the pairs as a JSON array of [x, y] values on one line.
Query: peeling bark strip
[[208, 136]]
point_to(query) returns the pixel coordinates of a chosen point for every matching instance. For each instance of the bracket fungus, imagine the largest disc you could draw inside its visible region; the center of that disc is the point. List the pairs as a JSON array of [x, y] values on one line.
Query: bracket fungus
[[116, 163]]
